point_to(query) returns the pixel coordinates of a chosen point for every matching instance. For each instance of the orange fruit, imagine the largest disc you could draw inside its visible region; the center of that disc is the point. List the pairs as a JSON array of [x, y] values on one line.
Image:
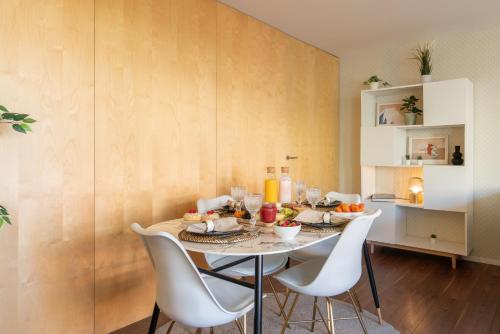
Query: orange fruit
[[354, 207], [361, 207], [345, 207]]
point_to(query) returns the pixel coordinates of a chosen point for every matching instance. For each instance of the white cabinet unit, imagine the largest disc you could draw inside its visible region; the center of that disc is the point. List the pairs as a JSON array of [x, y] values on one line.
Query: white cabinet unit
[[447, 209], [447, 102]]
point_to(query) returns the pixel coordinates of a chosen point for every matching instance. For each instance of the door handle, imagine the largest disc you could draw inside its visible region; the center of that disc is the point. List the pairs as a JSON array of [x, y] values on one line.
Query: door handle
[[288, 157]]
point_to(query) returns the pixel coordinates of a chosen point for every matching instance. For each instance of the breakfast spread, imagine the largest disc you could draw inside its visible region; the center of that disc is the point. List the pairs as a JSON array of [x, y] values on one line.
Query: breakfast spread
[[347, 208]]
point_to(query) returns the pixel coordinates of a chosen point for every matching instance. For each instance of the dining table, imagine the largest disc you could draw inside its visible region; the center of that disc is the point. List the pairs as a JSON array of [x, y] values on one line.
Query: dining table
[[266, 243]]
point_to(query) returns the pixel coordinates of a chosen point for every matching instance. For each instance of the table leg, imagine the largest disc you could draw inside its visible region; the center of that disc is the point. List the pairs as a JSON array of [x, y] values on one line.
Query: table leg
[[257, 319], [371, 277], [154, 319]]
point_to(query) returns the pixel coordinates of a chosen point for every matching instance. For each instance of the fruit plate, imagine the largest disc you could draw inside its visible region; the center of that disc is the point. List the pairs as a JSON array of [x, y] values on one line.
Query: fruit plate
[[348, 215]]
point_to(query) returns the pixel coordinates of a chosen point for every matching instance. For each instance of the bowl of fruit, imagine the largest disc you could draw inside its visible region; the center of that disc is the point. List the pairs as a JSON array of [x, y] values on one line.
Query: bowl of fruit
[[345, 210], [287, 229]]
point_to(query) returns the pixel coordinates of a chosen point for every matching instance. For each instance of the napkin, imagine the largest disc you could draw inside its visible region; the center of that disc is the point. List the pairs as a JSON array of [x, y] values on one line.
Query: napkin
[[313, 217], [227, 224]]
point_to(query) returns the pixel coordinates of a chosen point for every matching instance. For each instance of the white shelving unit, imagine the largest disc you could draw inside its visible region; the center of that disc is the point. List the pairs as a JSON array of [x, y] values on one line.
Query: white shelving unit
[[448, 190]]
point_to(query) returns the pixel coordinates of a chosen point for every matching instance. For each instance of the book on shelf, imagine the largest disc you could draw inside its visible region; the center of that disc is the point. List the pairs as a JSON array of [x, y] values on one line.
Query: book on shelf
[[383, 198]]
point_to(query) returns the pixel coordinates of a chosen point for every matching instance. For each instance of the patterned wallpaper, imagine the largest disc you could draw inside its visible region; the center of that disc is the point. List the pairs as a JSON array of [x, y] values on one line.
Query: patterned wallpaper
[[474, 55]]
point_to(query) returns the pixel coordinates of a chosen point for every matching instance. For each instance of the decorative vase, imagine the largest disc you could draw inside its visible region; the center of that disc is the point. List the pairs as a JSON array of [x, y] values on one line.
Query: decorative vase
[[457, 157], [420, 162], [408, 162], [426, 78], [410, 118], [433, 241], [374, 85]]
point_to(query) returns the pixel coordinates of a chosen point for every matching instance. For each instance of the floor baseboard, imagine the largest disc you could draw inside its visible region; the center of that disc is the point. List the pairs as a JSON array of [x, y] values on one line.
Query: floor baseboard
[[479, 259]]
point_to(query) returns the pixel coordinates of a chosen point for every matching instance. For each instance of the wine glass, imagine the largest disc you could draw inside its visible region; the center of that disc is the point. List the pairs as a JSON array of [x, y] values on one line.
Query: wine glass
[[313, 196], [238, 194], [300, 186], [253, 203]]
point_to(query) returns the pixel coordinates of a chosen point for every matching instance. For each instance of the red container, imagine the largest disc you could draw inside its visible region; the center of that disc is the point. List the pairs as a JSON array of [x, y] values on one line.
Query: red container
[[268, 213]]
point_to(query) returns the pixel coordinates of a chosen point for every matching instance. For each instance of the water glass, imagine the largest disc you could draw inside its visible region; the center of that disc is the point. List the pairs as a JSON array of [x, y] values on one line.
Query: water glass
[[253, 203], [300, 187], [238, 194], [313, 196]]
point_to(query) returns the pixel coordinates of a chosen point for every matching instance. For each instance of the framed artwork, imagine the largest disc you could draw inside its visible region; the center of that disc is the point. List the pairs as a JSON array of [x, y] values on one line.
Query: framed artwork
[[433, 150], [390, 114]]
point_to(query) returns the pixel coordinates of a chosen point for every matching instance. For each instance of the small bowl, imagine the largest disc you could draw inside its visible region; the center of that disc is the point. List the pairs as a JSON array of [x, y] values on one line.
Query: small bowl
[[287, 232]]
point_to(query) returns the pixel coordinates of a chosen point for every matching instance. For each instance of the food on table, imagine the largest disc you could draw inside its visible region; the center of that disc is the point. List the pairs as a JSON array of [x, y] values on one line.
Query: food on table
[[210, 215], [239, 213], [192, 215], [353, 207], [268, 213], [271, 186], [285, 186], [288, 223]]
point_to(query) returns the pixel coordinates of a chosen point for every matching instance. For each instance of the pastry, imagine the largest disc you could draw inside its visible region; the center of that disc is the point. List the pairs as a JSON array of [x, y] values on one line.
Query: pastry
[[192, 215], [210, 215]]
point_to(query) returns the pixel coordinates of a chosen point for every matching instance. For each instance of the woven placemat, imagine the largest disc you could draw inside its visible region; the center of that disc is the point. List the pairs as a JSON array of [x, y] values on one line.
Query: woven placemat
[[217, 239], [330, 229]]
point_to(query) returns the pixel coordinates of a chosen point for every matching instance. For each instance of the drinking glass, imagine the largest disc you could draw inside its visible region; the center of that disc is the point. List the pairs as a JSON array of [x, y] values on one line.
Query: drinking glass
[[300, 186], [313, 196], [253, 203], [238, 194]]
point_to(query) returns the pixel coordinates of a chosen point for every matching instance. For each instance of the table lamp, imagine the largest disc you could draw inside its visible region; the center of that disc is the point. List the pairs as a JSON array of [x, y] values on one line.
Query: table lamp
[[416, 188]]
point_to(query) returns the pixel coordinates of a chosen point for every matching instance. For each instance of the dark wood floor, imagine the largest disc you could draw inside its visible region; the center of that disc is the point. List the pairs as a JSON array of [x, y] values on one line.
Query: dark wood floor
[[422, 294]]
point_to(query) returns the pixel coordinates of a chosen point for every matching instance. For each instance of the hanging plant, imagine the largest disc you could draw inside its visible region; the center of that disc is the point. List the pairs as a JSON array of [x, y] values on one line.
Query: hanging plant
[[19, 122]]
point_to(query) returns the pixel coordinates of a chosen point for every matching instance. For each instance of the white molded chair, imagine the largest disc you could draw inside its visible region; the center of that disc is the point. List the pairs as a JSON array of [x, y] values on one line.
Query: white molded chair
[[329, 277], [323, 249], [272, 263], [183, 294]]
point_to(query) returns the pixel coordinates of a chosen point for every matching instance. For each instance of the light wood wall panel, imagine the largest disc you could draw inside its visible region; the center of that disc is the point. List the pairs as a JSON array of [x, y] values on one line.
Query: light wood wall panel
[[46, 69], [275, 96], [155, 137]]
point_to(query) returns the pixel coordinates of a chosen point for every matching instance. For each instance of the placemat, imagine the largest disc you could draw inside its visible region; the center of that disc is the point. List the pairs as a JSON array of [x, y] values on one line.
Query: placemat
[[217, 239], [325, 228]]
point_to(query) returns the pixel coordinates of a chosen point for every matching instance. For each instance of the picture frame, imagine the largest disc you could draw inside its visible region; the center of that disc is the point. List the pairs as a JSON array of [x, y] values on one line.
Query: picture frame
[[389, 114], [433, 150]]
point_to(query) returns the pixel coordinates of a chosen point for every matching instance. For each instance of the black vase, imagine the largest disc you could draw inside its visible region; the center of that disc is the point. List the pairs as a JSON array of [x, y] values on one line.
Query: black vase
[[457, 157]]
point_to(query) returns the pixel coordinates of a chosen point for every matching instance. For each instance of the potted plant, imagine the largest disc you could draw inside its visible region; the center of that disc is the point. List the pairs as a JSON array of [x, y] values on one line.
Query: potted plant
[[374, 82], [423, 55], [410, 109], [407, 160], [420, 162], [433, 238], [20, 123]]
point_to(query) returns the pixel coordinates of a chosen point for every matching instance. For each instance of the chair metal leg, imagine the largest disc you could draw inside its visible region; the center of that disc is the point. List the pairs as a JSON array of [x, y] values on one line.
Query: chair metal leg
[[211, 330], [314, 313], [281, 307], [285, 325], [323, 319], [360, 317], [329, 305], [170, 327], [356, 299], [245, 323], [240, 328], [154, 319], [198, 331]]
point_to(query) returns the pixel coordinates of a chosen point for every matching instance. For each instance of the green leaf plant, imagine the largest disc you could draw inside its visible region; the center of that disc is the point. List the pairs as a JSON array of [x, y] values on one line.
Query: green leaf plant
[[19, 122], [423, 55], [410, 105]]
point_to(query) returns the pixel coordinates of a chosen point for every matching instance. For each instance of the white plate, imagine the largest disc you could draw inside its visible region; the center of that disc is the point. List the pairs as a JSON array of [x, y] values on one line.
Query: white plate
[[348, 215]]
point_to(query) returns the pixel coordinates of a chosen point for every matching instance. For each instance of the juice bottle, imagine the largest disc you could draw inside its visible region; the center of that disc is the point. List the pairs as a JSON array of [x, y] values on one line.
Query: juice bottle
[[270, 186], [285, 186]]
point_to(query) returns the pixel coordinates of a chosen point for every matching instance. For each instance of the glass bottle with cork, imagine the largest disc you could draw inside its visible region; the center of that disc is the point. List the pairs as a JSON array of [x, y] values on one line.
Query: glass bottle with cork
[[285, 186], [271, 186]]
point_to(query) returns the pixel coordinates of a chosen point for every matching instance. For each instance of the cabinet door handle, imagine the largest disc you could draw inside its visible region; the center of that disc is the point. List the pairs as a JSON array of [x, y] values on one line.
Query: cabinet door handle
[[288, 157]]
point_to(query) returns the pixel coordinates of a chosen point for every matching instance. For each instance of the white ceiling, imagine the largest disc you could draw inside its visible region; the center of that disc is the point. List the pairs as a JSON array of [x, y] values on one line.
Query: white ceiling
[[339, 25]]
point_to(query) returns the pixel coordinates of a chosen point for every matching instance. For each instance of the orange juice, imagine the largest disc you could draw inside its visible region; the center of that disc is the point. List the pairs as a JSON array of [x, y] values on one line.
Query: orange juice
[[270, 186]]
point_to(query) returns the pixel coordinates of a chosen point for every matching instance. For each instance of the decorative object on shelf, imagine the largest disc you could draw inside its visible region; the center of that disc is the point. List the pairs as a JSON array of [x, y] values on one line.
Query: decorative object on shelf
[[433, 150], [420, 161], [416, 188], [374, 82], [407, 160], [4, 216], [390, 114], [457, 157], [409, 106], [423, 55], [433, 238], [19, 122]]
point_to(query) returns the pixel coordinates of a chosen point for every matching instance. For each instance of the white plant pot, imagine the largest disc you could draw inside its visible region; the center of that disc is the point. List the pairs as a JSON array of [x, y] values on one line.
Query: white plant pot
[[426, 78], [410, 118], [408, 162], [433, 240], [420, 162], [374, 85]]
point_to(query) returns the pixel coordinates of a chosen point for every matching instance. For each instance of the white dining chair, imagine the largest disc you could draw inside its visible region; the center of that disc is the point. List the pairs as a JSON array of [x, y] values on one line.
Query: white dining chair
[[329, 277], [323, 249], [185, 296], [272, 263]]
